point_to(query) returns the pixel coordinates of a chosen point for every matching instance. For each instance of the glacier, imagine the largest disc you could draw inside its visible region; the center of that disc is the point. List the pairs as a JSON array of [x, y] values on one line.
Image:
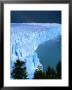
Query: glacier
[[25, 39]]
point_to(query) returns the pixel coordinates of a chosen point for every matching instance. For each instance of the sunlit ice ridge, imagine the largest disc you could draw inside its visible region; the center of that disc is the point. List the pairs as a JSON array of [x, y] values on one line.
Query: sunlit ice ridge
[[25, 39]]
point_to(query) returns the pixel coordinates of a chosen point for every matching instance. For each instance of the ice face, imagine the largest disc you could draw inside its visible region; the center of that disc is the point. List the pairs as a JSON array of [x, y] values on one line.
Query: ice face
[[26, 37], [32, 63]]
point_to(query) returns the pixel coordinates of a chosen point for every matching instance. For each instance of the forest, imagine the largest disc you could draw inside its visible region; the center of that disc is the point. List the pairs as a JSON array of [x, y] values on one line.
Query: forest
[[19, 71]]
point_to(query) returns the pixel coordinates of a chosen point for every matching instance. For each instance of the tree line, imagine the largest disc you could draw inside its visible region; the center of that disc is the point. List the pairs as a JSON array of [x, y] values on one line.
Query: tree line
[[19, 71]]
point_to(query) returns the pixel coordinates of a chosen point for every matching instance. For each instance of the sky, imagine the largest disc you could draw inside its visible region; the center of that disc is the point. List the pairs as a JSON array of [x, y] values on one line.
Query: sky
[[36, 17]]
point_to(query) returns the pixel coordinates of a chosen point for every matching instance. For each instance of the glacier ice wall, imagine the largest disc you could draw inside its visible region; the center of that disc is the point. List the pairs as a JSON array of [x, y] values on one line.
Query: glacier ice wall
[[26, 37]]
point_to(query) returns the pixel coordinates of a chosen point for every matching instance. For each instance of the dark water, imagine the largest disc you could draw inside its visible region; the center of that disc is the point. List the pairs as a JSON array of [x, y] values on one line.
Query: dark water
[[49, 53]]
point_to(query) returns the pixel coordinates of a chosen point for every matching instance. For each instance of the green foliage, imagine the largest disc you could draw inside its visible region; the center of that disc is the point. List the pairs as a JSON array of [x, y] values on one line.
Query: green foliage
[[53, 73], [58, 70], [50, 73], [19, 70], [39, 74]]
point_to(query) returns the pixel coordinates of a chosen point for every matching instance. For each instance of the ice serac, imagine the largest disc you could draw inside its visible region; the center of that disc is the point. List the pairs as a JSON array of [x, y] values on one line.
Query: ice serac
[[26, 37]]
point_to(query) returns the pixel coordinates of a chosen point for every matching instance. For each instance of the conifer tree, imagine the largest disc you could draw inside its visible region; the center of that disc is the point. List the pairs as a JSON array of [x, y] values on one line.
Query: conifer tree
[[19, 70], [48, 73], [58, 70], [39, 74]]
